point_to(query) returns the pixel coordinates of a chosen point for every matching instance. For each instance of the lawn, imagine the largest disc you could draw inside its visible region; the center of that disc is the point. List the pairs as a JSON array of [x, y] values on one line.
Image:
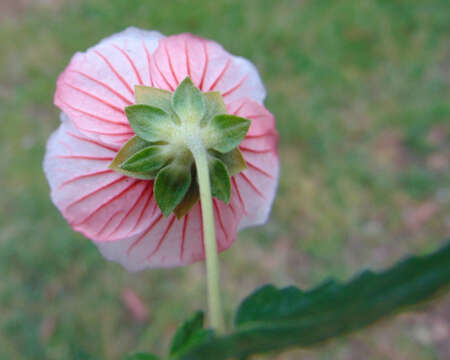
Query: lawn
[[360, 91]]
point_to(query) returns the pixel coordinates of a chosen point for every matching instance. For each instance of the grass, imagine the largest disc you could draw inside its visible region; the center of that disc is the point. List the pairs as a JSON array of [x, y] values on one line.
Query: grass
[[360, 91]]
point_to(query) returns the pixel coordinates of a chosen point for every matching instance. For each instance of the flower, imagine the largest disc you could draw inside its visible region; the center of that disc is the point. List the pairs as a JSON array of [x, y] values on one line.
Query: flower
[[119, 213]]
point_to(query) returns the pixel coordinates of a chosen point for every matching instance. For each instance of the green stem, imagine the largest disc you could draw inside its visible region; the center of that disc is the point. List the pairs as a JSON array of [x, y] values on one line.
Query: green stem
[[212, 258]]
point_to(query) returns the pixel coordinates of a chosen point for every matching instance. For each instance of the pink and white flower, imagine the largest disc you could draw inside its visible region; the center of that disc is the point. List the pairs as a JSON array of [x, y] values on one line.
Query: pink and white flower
[[119, 213]]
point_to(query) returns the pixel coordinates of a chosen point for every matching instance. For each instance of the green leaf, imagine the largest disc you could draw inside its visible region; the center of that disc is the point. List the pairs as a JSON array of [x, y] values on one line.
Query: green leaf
[[189, 334], [188, 102], [150, 123], [171, 185], [220, 179], [132, 146], [227, 132], [149, 159], [274, 319], [214, 106], [189, 200], [158, 98], [142, 356], [233, 160]]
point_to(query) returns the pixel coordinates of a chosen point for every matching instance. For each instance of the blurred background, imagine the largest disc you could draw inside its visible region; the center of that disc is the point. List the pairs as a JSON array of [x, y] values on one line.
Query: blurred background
[[360, 90]]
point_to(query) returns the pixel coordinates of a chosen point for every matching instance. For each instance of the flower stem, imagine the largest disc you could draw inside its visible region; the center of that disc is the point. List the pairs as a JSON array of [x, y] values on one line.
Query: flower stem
[[212, 258]]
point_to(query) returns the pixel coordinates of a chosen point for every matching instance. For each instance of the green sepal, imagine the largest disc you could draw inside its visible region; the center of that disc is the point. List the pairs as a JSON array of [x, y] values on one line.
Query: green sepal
[[214, 106], [150, 123], [131, 147], [149, 159], [158, 98], [188, 102], [189, 200], [234, 160], [227, 131], [189, 334], [220, 179], [171, 185]]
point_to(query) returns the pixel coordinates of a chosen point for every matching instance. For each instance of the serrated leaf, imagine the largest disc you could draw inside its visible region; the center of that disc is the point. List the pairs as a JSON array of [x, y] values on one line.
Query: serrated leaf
[[214, 106], [189, 200], [188, 102], [158, 98], [150, 123], [189, 334], [227, 131], [171, 185], [233, 160], [220, 179], [149, 159], [273, 319], [135, 144], [141, 356]]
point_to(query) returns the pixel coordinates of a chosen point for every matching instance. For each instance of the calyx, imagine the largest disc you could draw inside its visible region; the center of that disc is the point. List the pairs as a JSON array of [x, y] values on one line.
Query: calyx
[[168, 127]]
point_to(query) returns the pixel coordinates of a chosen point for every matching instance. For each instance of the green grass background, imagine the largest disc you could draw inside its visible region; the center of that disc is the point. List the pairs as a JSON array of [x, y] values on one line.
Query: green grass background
[[360, 91]]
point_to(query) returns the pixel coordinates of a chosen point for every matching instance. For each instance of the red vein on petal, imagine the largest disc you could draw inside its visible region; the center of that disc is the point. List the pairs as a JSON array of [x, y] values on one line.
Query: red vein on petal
[[256, 116], [118, 123], [144, 209], [122, 221], [163, 237], [108, 222], [188, 63], [146, 231], [66, 145], [253, 166], [162, 75], [133, 65], [84, 197], [232, 209], [106, 86], [222, 73], [125, 133], [239, 108], [233, 180], [234, 88], [255, 151], [266, 133], [219, 217], [170, 64], [92, 141], [183, 236], [248, 181], [148, 62], [103, 101], [105, 59], [206, 65], [108, 202], [79, 177], [84, 157]]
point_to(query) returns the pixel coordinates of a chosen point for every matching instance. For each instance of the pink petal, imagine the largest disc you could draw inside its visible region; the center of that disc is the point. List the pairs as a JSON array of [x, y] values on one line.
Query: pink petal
[[98, 84], [256, 186], [208, 64], [96, 201], [169, 242]]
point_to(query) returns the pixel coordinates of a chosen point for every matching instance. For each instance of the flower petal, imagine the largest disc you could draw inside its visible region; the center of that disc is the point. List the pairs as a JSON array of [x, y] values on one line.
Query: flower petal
[[169, 242], [256, 186], [97, 201], [97, 85], [210, 67]]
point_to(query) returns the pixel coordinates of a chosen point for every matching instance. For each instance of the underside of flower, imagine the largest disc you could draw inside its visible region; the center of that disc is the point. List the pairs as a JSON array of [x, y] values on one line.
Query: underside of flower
[[103, 172], [170, 129]]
